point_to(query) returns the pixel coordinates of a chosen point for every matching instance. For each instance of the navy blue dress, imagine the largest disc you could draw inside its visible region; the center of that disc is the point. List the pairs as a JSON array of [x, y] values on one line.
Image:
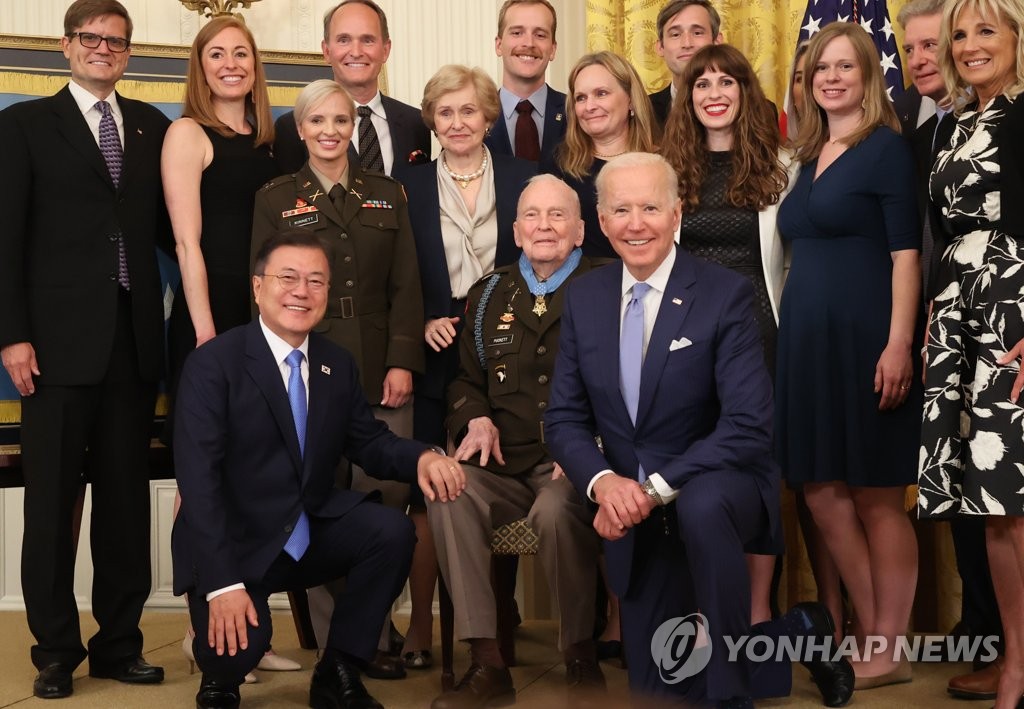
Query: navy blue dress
[[834, 319]]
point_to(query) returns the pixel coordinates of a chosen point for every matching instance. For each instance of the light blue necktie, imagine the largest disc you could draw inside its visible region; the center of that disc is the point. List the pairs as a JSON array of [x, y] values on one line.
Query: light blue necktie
[[299, 541], [631, 353]]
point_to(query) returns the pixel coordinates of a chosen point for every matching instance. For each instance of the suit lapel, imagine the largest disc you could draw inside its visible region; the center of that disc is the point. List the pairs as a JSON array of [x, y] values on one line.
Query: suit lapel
[[554, 121], [675, 306], [398, 132], [72, 126], [606, 316], [319, 395], [266, 375], [133, 139]]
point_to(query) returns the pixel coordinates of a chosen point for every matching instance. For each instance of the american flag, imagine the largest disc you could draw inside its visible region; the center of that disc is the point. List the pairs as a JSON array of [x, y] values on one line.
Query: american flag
[[873, 16]]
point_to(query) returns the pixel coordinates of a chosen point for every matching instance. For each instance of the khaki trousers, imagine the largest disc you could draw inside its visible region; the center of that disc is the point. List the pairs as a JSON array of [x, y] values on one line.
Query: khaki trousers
[[568, 547]]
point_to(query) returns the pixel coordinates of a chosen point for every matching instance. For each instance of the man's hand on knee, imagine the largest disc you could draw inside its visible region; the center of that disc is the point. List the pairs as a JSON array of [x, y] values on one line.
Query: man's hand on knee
[[440, 477], [623, 503], [228, 615]]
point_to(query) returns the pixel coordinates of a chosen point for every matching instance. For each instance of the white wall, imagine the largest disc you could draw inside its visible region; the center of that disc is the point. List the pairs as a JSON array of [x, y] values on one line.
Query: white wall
[[425, 34]]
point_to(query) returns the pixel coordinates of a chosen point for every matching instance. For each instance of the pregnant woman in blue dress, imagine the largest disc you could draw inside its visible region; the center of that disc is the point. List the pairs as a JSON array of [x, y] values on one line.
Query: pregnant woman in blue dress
[[847, 401]]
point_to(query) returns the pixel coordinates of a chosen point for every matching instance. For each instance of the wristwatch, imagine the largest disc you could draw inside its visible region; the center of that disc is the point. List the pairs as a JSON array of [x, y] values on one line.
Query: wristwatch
[[652, 492]]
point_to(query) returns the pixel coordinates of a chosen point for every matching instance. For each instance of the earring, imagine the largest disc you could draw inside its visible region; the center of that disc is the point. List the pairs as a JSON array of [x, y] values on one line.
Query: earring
[[631, 113]]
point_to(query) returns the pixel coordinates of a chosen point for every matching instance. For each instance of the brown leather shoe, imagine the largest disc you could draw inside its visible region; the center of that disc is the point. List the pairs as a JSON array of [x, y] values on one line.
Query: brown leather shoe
[[481, 687], [977, 685]]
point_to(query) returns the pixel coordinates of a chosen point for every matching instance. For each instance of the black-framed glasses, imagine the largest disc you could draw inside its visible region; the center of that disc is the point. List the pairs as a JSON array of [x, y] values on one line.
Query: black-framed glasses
[[91, 40], [291, 281]]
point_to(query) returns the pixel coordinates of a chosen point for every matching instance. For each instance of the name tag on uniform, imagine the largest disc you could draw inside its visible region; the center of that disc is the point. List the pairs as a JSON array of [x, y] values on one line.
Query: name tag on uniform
[[498, 340], [304, 221]]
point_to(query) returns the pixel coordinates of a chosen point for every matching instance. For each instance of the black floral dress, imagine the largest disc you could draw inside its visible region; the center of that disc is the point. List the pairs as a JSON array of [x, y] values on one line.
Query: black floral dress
[[972, 450]]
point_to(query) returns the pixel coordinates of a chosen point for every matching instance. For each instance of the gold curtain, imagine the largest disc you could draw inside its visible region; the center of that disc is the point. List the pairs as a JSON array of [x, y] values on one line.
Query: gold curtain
[[767, 31]]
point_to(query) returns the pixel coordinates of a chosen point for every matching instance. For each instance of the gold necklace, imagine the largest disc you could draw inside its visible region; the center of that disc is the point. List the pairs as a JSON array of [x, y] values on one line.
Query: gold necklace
[[464, 180]]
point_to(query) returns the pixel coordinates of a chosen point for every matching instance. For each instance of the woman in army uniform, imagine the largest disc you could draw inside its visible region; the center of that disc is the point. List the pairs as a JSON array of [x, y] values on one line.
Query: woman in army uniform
[[375, 305]]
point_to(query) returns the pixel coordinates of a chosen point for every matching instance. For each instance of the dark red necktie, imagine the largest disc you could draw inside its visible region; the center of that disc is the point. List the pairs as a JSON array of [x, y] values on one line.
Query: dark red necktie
[[527, 138]]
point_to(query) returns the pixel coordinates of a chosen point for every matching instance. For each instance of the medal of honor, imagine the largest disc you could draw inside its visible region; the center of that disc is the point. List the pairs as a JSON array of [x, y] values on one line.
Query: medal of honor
[[539, 306]]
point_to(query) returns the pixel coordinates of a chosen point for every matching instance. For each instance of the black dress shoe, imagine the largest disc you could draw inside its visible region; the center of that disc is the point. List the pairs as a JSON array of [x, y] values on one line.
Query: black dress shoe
[[336, 685], [383, 666], [53, 682], [834, 678], [217, 695], [609, 649], [396, 641], [134, 670]]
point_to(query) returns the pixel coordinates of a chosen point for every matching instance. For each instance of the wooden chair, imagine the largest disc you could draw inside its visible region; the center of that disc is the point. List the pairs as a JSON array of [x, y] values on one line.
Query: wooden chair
[[508, 542]]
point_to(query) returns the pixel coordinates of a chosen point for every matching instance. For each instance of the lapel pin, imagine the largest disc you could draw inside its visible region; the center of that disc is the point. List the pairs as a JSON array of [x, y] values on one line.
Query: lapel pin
[[139, 130], [306, 184], [318, 193], [677, 301], [358, 196], [325, 369], [558, 117]]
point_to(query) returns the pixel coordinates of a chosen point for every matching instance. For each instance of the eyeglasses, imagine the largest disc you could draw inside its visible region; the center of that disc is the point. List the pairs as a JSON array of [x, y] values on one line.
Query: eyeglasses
[[291, 281], [90, 40]]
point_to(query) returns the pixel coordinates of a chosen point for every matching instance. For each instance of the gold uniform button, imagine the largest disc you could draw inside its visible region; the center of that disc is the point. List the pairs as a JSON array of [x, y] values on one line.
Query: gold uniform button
[[542, 350], [542, 379], [350, 283]]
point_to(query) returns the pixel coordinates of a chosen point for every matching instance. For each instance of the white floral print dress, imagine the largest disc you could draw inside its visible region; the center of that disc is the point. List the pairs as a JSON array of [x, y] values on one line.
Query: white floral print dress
[[972, 450]]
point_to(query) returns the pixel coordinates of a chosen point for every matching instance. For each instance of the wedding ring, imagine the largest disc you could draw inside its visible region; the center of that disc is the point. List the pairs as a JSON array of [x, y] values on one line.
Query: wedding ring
[[904, 387]]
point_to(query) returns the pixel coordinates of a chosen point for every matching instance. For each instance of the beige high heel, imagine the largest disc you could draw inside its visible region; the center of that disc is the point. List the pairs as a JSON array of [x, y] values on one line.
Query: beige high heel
[[186, 650], [276, 663]]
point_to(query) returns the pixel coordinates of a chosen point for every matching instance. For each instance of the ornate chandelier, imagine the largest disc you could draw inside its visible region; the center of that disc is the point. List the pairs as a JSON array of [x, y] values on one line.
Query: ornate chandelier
[[216, 8]]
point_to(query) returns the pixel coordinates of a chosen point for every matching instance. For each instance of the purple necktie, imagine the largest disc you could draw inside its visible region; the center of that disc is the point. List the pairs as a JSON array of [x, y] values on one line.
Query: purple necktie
[[110, 146], [298, 542]]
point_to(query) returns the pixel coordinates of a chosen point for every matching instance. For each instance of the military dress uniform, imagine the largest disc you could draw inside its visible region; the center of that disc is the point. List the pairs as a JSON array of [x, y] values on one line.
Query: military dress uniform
[[506, 359], [375, 305]]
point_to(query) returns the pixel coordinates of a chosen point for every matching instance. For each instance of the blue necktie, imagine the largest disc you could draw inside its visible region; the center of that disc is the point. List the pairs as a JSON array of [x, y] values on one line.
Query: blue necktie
[[298, 542], [110, 146], [631, 353], [631, 349]]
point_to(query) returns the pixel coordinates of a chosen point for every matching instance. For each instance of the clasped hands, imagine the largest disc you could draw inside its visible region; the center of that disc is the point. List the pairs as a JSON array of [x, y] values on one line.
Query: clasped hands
[[622, 504]]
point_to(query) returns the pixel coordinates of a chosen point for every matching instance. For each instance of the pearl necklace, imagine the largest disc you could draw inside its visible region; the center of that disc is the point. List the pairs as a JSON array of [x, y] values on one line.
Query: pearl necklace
[[464, 180]]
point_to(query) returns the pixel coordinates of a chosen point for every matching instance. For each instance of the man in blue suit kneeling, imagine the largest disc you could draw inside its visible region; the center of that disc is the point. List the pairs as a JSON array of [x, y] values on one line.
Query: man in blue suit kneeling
[[670, 434], [265, 412]]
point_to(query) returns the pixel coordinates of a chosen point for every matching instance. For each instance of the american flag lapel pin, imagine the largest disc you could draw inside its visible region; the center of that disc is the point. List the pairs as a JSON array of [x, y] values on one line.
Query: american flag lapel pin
[[325, 369], [677, 301]]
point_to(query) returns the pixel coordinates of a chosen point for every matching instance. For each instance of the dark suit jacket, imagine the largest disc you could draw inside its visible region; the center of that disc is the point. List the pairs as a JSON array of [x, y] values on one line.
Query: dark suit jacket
[[661, 102], [58, 249], [510, 176], [500, 143], [704, 407], [243, 480], [408, 135], [375, 308]]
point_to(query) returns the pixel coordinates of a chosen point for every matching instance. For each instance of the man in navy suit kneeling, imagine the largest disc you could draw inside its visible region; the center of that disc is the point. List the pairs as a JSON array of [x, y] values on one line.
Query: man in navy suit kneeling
[[265, 412], [669, 431]]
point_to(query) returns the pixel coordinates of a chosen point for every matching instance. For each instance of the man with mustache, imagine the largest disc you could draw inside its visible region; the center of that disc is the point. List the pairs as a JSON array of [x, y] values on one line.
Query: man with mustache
[[532, 121]]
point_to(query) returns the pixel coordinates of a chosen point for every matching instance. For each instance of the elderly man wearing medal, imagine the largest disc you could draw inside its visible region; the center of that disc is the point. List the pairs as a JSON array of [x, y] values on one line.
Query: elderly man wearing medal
[[495, 410]]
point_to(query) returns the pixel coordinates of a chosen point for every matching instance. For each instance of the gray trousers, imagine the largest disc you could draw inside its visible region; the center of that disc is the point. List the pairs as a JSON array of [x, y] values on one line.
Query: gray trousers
[[568, 544]]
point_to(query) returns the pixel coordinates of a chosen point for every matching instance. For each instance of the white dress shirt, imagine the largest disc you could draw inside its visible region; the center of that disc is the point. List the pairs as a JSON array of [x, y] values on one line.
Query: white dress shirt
[[380, 123], [87, 105], [658, 281]]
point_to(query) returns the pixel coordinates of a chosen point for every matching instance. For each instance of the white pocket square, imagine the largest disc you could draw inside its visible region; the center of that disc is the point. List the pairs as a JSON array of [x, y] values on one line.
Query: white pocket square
[[679, 344]]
